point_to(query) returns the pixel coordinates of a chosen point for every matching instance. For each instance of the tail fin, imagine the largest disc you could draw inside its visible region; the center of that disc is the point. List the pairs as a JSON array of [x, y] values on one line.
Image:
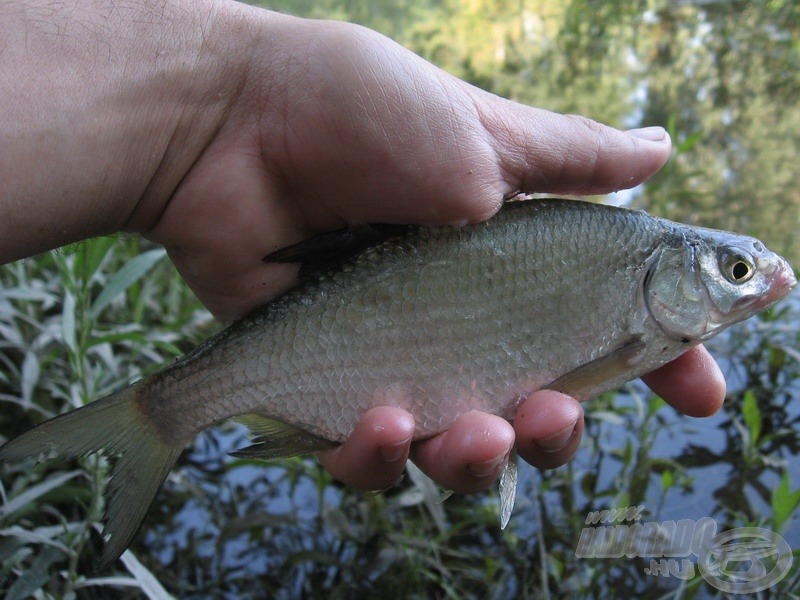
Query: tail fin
[[116, 424]]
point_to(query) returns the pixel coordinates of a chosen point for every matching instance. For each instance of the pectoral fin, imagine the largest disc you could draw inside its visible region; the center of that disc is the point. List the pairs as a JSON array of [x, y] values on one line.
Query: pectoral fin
[[275, 439], [594, 377]]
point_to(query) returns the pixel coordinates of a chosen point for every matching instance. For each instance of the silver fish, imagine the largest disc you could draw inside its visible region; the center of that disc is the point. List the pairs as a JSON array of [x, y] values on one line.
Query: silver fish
[[558, 294]]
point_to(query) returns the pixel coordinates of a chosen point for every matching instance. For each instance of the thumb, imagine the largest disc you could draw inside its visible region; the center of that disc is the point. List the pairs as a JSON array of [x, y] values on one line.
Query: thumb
[[542, 151]]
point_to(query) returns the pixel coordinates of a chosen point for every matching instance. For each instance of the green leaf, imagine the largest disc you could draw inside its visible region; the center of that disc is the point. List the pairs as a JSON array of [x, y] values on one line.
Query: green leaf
[[31, 371], [45, 536], [33, 578], [656, 404], [690, 142], [91, 254], [752, 417], [667, 480], [150, 585], [68, 322], [35, 492], [784, 502], [132, 272]]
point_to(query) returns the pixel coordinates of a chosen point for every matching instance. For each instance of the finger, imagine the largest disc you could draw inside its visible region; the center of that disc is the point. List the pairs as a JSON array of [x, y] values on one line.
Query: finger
[[469, 456], [542, 151], [692, 383], [375, 454], [549, 426]]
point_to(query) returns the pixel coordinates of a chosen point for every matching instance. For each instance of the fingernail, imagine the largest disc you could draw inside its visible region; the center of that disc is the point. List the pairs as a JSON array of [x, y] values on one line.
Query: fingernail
[[390, 453], [487, 467], [558, 440], [651, 134]]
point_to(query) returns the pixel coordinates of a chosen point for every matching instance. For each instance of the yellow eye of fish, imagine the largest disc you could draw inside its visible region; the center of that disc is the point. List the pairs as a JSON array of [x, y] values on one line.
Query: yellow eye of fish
[[737, 268]]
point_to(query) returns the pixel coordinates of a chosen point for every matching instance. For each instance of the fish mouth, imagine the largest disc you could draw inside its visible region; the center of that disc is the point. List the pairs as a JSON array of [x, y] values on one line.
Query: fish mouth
[[782, 283]]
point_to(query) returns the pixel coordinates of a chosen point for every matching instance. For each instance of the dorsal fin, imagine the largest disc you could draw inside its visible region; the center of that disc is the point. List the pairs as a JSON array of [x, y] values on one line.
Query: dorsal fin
[[326, 250]]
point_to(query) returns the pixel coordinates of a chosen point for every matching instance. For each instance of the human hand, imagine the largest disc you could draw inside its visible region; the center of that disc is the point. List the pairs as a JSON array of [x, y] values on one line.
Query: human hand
[[341, 125]]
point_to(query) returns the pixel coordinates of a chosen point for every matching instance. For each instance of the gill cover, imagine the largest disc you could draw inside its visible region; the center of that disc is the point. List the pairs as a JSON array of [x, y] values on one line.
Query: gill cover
[[675, 294]]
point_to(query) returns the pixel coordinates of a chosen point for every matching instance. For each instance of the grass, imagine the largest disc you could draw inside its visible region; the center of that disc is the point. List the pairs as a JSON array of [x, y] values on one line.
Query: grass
[[78, 323]]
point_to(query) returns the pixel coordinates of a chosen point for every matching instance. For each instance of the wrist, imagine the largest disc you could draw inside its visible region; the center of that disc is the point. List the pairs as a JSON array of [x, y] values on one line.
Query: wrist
[[194, 102], [106, 107]]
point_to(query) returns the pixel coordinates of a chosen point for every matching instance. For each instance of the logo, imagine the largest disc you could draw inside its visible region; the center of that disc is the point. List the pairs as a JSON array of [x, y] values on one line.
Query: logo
[[737, 561], [746, 560]]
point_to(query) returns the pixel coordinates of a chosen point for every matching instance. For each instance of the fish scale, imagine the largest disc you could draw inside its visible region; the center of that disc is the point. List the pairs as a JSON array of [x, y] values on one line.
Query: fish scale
[[429, 324], [567, 295]]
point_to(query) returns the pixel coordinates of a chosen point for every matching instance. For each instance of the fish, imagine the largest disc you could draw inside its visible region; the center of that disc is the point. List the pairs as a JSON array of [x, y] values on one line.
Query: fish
[[550, 293]]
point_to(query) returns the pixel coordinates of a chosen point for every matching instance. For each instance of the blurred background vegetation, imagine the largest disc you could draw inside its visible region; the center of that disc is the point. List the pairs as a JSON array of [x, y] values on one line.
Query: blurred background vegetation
[[74, 324], [723, 75]]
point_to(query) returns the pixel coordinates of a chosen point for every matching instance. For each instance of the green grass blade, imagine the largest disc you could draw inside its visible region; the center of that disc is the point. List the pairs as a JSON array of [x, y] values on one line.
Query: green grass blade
[[132, 272], [151, 587], [752, 417], [35, 492], [784, 502], [33, 578]]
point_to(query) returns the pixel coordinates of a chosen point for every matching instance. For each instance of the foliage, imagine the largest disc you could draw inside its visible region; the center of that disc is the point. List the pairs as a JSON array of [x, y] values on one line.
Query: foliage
[[723, 75], [75, 324], [727, 73]]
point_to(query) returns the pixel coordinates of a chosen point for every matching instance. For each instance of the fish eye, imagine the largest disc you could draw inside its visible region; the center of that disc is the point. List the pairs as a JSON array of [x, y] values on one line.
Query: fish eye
[[736, 267]]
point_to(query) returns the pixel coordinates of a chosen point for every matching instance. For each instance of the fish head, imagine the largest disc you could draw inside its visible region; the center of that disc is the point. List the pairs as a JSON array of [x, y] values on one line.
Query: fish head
[[712, 279]]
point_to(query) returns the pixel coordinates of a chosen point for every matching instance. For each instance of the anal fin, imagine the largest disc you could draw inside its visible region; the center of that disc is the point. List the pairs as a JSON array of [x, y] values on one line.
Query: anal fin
[[276, 439]]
